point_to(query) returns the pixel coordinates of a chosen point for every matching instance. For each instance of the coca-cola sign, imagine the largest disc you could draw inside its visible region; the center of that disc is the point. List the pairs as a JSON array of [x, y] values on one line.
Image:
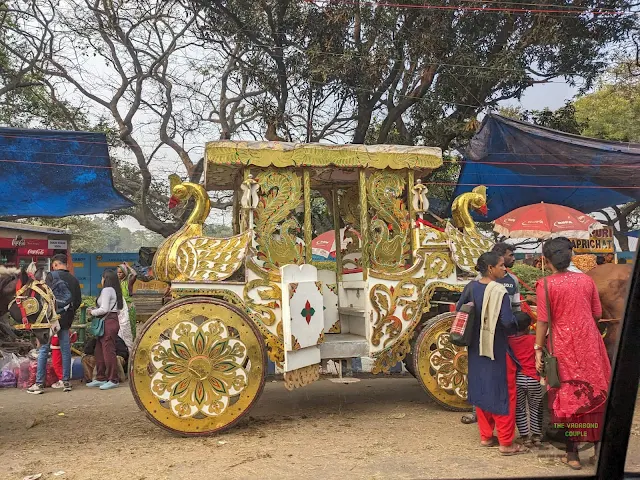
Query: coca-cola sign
[[18, 242], [35, 252]]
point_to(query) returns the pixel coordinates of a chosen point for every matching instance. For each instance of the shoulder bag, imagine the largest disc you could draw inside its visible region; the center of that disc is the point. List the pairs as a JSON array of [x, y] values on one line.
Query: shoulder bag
[[549, 360], [462, 327], [97, 327]]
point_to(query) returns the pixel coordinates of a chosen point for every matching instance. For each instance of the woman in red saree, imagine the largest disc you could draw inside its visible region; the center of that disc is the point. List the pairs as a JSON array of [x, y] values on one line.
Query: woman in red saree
[[583, 364]]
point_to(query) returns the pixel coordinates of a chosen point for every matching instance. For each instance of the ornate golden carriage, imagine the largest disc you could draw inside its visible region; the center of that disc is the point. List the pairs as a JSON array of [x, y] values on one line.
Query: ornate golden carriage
[[199, 363]]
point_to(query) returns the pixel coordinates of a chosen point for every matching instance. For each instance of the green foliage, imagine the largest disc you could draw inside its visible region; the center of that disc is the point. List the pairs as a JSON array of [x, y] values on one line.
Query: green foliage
[[94, 234], [403, 75], [528, 274], [612, 112], [217, 230], [563, 119]]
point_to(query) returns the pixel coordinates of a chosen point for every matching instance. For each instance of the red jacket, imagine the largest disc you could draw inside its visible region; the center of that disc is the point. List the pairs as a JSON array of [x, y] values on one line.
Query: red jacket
[[522, 347]]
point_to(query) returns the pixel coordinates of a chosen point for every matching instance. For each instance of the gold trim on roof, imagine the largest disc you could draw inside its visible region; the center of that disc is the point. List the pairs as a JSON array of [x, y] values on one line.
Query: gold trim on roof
[[283, 154]]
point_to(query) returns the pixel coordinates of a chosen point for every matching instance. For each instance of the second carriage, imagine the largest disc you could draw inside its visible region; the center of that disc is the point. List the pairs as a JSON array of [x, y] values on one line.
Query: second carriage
[[200, 362]]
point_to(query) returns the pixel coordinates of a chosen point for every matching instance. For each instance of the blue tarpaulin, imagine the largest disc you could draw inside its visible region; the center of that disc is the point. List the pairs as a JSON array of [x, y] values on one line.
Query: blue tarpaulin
[[46, 173], [522, 164]]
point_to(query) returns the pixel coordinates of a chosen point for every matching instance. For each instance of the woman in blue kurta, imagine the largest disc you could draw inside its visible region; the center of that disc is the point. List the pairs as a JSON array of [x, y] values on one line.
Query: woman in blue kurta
[[492, 382]]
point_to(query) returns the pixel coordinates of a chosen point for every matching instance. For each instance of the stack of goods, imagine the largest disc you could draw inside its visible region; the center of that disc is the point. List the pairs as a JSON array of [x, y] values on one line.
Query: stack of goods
[[585, 262]]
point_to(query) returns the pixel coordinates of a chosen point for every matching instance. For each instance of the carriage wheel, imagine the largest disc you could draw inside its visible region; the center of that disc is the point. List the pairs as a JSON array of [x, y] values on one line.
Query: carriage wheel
[[198, 366], [440, 366]]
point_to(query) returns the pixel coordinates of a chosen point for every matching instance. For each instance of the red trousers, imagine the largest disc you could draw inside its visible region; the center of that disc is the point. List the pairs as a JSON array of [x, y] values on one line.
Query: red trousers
[[504, 424], [56, 356], [105, 352]]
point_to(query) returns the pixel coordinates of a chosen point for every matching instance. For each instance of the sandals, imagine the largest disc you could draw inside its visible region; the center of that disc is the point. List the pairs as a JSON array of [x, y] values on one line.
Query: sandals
[[572, 464], [517, 449], [492, 442]]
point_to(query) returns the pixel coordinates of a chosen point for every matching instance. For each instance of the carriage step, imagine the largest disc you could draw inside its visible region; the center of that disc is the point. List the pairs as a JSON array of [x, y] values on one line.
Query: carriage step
[[344, 345]]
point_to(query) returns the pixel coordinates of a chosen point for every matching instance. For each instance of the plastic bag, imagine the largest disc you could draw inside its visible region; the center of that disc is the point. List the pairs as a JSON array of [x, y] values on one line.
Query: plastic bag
[[7, 374], [7, 379], [50, 377], [22, 375]]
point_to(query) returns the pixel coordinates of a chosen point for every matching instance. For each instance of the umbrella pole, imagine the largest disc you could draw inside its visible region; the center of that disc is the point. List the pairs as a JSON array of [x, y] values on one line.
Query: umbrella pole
[[542, 255]]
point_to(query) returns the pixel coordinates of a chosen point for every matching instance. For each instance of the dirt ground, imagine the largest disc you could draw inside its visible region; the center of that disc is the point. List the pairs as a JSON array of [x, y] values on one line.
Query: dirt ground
[[382, 428]]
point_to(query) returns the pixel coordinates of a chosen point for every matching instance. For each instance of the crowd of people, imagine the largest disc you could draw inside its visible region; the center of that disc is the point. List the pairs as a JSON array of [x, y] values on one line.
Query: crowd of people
[[106, 356], [506, 373], [506, 367]]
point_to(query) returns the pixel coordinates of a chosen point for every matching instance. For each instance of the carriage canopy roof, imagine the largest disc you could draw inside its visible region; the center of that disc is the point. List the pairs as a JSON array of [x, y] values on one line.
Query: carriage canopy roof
[[224, 159]]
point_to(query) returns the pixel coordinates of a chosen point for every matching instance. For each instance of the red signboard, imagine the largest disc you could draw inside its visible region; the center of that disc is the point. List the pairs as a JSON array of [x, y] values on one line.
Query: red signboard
[[35, 252], [21, 242]]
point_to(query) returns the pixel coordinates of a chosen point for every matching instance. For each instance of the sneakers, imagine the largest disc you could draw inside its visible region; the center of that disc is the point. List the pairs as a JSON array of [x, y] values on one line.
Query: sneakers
[[36, 389], [66, 386], [95, 383], [109, 386], [58, 384]]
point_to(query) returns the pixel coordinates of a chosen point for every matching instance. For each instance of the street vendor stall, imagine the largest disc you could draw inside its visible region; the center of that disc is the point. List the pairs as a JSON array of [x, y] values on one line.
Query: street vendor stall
[[21, 244]]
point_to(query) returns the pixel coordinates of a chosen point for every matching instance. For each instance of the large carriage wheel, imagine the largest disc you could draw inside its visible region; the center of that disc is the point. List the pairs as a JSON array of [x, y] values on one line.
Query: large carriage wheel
[[440, 366], [198, 366]]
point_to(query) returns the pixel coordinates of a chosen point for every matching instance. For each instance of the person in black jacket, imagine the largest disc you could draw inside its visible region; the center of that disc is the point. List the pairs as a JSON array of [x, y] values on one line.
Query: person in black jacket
[[59, 264], [61, 272]]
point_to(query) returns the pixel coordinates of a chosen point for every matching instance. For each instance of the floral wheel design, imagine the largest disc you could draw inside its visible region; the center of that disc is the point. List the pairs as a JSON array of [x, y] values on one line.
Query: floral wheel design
[[440, 366], [198, 366], [450, 364]]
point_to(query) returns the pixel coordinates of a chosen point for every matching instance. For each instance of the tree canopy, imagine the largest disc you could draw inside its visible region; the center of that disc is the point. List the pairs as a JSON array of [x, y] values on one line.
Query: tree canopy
[[163, 77]]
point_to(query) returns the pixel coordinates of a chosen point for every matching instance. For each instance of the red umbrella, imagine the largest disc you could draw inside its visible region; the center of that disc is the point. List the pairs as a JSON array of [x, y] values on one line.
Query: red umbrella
[[546, 220], [324, 244]]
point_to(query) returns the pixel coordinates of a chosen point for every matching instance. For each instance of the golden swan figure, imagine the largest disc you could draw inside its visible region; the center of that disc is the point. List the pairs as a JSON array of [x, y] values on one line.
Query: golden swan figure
[[465, 241], [187, 255]]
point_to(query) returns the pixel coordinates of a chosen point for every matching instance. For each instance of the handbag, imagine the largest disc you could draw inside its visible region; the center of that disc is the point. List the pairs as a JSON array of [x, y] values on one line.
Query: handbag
[[463, 323], [97, 327], [549, 360], [462, 327]]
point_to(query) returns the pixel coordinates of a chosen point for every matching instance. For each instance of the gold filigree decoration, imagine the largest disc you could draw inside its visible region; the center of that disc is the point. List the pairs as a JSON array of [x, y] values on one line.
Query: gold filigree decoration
[[324, 265], [320, 338], [199, 368], [467, 248], [281, 194], [336, 327], [450, 364], [438, 265], [350, 208], [386, 300], [275, 346], [295, 344], [396, 352], [468, 245], [333, 287], [427, 236], [210, 259], [271, 275], [390, 242], [409, 272], [269, 292], [301, 376]]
